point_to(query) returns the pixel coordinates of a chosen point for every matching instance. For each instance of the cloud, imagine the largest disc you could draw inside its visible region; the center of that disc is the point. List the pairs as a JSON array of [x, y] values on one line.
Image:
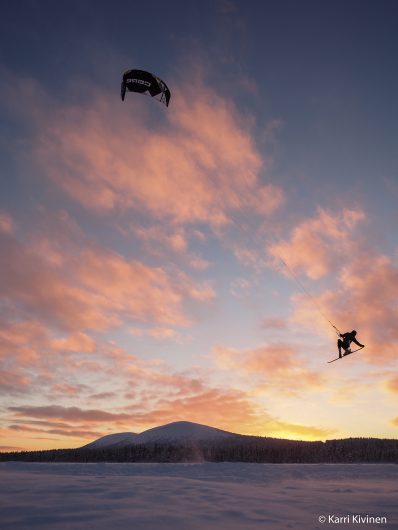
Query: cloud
[[394, 422], [7, 224], [372, 283], [274, 323], [39, 289], [273, 367], [72, 414], [227, 409], [158, 333], [199, 165], [240, 287], [392, 384], [68, 389], [364, 299], [90, 287], [159, 239], [100, 396], [155, 396], [172, 238], [191, 165], [68, 431], [21, 339], [365, 282], [10, 448], [212, 406], [78, 342], [316, 246], [13, 383], [300, 432], [133, 290]]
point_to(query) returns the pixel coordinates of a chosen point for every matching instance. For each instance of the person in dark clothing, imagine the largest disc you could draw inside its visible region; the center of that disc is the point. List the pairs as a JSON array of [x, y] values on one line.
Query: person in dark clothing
[[348, 337]]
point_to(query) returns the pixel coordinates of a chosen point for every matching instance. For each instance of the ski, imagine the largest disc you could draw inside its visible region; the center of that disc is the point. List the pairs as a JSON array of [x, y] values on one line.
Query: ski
[[345, 355]]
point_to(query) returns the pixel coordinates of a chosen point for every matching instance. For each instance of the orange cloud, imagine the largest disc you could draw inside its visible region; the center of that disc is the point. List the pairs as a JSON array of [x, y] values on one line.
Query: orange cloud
[[227, 409], [10, 448], [394, 422], [296, 431], [392, 384]]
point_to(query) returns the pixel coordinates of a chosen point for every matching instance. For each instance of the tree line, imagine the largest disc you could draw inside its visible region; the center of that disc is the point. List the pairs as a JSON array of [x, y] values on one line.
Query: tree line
[[241, 449]]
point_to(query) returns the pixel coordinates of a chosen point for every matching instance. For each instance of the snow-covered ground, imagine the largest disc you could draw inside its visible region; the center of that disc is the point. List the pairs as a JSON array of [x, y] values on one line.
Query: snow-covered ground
[[226, 496]]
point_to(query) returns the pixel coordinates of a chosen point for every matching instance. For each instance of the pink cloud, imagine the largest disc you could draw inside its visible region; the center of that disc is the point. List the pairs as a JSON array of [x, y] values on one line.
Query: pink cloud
[[274, 367], [27, 279], [365, 300], [162, 235], [78, 342], [160, 239], [159, 333], [103, 395], [7, 224], [21, 340], [316, 246], [91, 288], [68, 431], [73, 414], [14, 382], [200, 165], [274, 323], [230, 410], [69, 390], [365, 288], [156, 396]]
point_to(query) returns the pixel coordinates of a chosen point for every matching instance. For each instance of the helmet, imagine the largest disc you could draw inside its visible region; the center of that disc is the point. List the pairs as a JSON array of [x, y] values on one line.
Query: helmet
[[353, 332]]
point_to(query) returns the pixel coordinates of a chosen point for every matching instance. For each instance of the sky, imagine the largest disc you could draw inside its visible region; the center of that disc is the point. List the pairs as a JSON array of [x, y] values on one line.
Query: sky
[[189, 263]]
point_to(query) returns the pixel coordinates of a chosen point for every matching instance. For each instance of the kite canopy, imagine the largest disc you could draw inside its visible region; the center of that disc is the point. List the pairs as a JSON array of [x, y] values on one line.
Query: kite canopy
[[145, 83]]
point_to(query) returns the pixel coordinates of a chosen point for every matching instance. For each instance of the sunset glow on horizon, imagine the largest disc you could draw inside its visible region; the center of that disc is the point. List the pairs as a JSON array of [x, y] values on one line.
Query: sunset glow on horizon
[[143, 248]]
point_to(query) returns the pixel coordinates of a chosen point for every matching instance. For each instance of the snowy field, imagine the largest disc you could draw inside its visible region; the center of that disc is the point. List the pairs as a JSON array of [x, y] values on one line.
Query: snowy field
[[225, 496]]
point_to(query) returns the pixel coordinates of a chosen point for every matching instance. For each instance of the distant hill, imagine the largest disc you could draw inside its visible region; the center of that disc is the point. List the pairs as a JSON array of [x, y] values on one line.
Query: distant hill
[[177, 431], [121, 439]]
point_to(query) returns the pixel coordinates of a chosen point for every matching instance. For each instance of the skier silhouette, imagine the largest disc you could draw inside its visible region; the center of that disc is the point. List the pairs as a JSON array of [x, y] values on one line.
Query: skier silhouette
[[345, 343]]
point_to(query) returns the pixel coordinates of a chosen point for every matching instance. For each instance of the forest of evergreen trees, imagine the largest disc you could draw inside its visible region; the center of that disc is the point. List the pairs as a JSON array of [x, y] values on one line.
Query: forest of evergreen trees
[[240, 449]]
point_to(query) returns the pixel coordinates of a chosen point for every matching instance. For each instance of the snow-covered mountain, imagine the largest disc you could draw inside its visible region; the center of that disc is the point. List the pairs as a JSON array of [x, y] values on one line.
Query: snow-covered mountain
[[178, 431], [121, 439], [182, 431]]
